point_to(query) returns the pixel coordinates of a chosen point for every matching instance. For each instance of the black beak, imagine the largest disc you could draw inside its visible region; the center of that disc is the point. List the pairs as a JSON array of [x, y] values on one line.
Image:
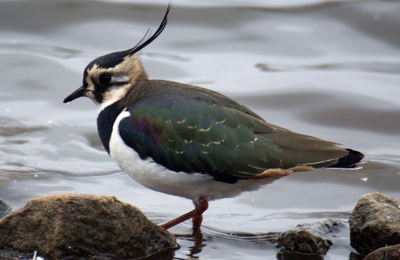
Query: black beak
[[80, 92]]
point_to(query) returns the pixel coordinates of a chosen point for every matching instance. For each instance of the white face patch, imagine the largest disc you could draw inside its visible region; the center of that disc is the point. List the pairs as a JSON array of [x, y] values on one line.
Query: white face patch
[[123, 77], [90, 83], [113, 95], [120, 78]]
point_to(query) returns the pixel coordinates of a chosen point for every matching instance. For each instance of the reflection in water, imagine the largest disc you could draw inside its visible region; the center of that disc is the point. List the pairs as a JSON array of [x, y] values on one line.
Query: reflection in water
[[198, 242], [265, 239], [370, 67], [308, 215], [165, 56], [13, 127], [43, 49], [67, 53], [213, 238], [335, 109]]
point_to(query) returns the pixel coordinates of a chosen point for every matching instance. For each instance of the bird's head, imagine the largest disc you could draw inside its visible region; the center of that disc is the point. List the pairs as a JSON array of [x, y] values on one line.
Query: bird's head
[[108, 78]]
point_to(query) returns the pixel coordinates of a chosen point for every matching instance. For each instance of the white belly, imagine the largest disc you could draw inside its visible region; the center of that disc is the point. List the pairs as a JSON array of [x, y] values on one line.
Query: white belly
[[187, 185]]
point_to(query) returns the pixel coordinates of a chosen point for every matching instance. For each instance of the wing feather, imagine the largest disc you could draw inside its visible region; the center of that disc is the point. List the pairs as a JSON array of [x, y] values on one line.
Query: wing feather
[[211, 134]]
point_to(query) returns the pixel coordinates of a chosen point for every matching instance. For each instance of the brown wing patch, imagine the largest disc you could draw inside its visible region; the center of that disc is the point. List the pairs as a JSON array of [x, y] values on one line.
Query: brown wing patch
[[281, 172]]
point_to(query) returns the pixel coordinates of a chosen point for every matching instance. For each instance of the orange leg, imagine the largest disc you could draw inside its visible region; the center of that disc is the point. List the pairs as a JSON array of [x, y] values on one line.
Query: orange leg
[[195, 214]]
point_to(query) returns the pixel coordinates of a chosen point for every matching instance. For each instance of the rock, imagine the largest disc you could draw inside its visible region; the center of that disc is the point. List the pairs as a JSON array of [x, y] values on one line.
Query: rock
[[375, 222], [385, 253], [75, 226], [296, 256], [356, 256], [4, 208], [309, 238]]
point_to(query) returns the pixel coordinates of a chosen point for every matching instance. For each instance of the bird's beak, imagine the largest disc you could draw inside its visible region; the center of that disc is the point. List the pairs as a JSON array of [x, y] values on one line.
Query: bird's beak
[[80, 92]]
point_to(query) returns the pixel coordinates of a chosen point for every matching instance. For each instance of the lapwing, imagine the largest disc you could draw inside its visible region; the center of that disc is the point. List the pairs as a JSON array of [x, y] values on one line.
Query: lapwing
[[190, 141]]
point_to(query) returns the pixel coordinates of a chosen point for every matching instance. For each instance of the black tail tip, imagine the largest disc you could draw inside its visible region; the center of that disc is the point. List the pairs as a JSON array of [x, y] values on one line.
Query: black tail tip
[[349, 160]]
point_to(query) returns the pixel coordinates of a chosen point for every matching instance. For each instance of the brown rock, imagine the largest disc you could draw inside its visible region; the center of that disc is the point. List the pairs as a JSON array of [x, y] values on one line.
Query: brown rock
[[385, 253], [309, 238], [83, 227], [356, 256], [297, 256], [375, 222]]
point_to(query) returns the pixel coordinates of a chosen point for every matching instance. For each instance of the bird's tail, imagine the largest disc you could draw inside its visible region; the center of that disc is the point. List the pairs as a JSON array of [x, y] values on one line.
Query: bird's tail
[[349, 160]]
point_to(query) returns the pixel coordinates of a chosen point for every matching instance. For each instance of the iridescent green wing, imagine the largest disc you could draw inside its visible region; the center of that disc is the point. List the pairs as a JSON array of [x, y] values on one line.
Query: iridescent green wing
[[199, 135], [199, 130]]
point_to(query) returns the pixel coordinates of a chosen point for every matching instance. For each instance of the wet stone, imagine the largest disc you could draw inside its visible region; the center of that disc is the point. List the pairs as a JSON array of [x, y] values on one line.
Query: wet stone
[[309, 238], [296, 256], [385, 253], [5, 209], [375, 222], [72, 226], [356, 256]]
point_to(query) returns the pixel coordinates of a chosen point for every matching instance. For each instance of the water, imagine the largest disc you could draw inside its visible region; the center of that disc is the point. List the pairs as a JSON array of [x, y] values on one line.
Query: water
[[328, 69]]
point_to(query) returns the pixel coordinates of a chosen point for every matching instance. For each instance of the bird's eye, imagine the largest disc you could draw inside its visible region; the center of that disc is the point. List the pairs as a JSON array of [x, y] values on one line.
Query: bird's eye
[[105, 79]]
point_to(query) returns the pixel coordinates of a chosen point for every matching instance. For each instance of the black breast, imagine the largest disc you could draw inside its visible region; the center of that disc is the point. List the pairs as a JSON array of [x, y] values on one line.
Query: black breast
[[105, 122]]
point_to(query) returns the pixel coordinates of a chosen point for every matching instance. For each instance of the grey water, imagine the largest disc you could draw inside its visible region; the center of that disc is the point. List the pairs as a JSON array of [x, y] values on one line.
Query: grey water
[[330, 69]]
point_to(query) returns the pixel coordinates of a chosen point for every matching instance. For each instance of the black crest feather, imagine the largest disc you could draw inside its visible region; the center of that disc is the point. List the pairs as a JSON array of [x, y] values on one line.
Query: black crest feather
[[146, 40], [113, 59]]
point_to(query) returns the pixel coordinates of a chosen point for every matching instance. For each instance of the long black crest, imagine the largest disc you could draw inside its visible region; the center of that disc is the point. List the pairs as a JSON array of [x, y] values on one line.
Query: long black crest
[[146, 40], [113, 59]]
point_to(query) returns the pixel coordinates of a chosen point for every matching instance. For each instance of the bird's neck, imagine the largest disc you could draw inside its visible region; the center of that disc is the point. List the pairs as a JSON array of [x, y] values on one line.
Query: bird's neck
[[105, 123]]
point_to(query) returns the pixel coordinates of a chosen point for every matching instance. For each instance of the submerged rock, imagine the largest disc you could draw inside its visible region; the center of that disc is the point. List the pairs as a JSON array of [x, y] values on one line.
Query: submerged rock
[[375, 222], [82, 227], [5, 209], [385, 253], [309, 238]]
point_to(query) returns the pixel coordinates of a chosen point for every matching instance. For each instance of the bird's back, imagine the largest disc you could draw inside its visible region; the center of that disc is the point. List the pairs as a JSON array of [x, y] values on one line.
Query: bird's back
[[192, 129]]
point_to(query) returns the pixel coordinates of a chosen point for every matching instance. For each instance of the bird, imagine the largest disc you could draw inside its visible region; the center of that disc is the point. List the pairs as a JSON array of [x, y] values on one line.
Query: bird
[[189, 141]]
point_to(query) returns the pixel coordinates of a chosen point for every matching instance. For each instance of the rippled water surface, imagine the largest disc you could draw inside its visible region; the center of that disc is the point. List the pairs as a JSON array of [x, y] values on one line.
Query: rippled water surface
[[329, 69]]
